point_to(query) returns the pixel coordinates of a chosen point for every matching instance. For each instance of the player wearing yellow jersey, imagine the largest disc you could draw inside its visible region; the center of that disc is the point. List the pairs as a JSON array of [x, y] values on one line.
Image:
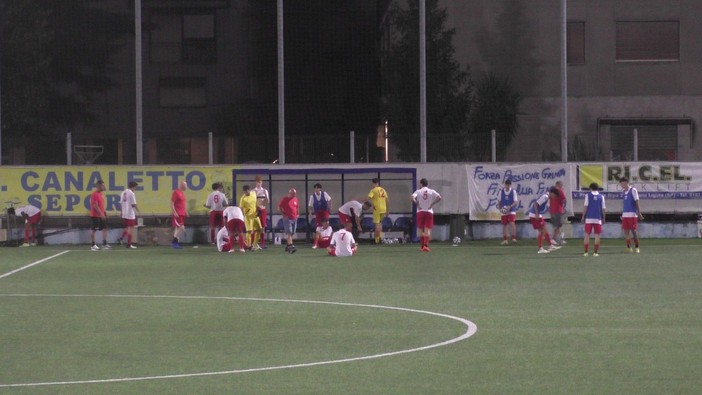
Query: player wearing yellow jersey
[[248, 205], [379, 198]]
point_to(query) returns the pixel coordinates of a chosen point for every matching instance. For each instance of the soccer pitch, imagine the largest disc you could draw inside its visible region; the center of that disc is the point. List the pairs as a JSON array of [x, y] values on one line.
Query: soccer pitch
[[476, 318]]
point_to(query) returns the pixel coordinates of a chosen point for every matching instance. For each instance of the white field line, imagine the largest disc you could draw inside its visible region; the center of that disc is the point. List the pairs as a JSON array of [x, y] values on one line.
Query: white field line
[[33, 264], [471, 329]]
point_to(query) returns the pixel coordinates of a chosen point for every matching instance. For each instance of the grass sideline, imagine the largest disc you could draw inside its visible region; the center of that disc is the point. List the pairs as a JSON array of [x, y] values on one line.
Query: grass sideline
[[557, 323]]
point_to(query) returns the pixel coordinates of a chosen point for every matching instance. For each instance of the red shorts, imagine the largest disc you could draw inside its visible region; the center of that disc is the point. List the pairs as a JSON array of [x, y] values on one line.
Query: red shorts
[[263, 217], [235, 226], [511, 217], [344, 219], [321, 215], [128, 223], [324, 242], [216, 219], [630, 223], [34, 219], [425, 220], [178, 221], [537, 223], [590, 227]]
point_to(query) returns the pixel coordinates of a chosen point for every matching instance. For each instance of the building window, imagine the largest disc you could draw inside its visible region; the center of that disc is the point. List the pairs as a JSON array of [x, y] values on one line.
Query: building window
[[183, 38], [648, 41], [654, 142], [182, 92], [575, 33]]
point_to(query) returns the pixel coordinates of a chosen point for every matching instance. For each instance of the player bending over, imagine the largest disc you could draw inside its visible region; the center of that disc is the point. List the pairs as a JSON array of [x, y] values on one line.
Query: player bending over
[[234, 224], [536, 211]]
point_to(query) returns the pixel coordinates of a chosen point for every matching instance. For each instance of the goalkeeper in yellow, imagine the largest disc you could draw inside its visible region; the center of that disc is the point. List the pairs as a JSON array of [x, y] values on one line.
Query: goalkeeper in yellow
[[247, 203], [379, 198]]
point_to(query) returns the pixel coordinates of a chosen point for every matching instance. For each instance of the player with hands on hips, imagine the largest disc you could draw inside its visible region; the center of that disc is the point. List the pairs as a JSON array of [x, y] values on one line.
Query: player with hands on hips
[[425, 198], [216, 201]]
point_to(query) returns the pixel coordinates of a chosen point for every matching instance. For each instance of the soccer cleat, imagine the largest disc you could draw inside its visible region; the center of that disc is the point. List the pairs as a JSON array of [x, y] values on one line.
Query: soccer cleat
[[131, 246], [629, 249], [553, 247], [25, 245], [33, 244], [176, 246], [119, 241], [586, 254], [638, 250], [542, 251], [106, 247], [563, 242], [314, 247], [292, 249], [595, 254], [95, 248], [425, 249], [514, 241], [504, 242], [256, 248]]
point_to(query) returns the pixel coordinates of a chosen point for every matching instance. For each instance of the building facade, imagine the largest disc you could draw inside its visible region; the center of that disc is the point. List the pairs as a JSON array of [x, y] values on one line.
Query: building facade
[[634, 73]]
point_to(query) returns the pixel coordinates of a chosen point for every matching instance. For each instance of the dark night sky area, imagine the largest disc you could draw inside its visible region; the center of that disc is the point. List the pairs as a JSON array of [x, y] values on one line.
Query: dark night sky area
[[332, 77]]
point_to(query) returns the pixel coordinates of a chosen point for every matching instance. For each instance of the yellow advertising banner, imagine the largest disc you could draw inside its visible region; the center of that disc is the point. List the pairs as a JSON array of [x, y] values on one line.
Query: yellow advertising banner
[[65, 190]]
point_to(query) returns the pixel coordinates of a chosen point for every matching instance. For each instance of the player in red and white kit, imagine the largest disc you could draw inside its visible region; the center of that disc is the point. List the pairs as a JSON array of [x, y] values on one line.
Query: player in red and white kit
[[216, 201], [350, 215], [342, 244], [31, 216], [223, 241], [234, 224], [263, 198], [425, 198], [129, 210], [323, 234]]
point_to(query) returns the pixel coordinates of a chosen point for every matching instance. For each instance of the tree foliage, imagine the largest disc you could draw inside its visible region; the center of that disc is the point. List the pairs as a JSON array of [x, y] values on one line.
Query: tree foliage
[[449, 87], [496, 107], [55, 58]]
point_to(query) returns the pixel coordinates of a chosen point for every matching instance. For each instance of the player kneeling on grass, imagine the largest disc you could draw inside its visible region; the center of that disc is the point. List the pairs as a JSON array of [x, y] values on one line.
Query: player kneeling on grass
[[536, 211], [224, 242], [323, 234], [342, 244]]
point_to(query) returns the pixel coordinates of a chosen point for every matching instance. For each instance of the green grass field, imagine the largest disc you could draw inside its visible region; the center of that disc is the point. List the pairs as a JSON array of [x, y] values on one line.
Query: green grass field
[[558, 323]]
